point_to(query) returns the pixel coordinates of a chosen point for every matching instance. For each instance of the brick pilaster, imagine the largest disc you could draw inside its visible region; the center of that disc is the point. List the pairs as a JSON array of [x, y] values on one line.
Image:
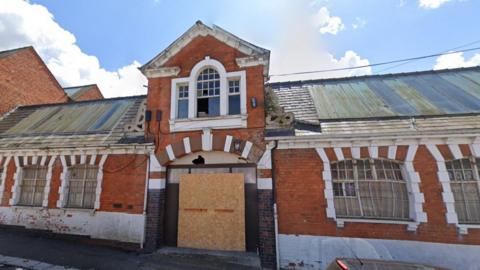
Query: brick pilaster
[[266, 228]]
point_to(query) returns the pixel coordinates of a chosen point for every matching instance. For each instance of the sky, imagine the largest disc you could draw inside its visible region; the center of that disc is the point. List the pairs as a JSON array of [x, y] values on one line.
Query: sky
[[105, 42]]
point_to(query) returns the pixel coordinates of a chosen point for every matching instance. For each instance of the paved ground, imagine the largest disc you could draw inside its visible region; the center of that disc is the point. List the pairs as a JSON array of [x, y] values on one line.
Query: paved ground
[[83, 256]]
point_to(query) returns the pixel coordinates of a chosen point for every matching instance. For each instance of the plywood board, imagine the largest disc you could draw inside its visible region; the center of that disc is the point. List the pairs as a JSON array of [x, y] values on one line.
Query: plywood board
[[212, 211]]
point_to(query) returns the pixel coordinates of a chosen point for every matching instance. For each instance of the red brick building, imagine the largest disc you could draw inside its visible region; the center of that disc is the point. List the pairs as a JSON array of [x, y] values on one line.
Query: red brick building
[[83, 92], [26, 80], [215, 157]]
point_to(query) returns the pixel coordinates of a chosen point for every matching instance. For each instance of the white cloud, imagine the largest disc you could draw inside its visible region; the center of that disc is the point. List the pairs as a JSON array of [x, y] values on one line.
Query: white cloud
[[359, 23], [431, 4], [297, 46], [326, 23], [456, 60], [24, 24]]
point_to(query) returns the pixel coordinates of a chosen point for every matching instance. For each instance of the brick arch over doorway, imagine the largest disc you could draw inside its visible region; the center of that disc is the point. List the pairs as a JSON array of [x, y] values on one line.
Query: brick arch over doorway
[[248, 150], [210, 142]]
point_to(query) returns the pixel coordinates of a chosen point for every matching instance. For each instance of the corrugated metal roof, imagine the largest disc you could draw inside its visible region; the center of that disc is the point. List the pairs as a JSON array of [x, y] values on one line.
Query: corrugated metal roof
[[442, 92], [98, 122]]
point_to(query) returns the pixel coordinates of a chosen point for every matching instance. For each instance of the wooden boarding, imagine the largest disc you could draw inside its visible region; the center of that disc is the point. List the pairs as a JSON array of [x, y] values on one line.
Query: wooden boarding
[[212, 211]]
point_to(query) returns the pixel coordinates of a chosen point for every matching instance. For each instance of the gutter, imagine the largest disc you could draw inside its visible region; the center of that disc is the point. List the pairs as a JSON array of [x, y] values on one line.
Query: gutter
[[275, 213], [147, 182], [373, 136]]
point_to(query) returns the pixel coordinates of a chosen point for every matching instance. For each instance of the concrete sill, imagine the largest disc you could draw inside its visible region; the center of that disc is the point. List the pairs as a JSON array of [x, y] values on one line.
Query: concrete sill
[[68, 209], [411, 225], [463, 228], [217, 122], [20, 207]]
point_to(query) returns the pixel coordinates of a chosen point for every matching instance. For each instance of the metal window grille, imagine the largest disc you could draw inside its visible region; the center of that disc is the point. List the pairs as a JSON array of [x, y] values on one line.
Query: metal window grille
[[32, 185], [370, 188], [465, 184], [82, 185]]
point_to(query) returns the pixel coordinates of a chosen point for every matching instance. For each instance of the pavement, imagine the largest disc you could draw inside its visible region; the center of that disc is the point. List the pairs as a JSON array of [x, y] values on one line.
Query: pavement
[[33, 252]]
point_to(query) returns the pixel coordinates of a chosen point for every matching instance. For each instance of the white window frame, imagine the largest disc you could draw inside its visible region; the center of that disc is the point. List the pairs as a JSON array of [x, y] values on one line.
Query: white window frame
[[416, 198], [374, 172], [444, 178], [224, 121], [475, 169], [67, 191], [35, 179]]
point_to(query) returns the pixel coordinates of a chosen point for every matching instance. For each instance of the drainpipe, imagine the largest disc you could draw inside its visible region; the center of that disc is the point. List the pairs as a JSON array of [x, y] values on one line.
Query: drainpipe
[[275, 213], [147, 177]]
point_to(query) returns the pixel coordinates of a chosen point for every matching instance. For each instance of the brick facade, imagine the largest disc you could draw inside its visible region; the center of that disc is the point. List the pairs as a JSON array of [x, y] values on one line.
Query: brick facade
[[302, 204], [123, 184], [26, 80], [159, 92], [91, 94]]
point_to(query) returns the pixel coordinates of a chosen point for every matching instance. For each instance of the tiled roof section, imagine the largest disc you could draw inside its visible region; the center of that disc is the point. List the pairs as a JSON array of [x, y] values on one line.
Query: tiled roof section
[[88, 123], [442, 92], [299, 102]]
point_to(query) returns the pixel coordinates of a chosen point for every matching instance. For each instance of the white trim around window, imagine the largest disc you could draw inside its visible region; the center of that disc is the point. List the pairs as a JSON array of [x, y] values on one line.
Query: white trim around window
[[444, 178], [3, 173], [224, 121], [416, 198]]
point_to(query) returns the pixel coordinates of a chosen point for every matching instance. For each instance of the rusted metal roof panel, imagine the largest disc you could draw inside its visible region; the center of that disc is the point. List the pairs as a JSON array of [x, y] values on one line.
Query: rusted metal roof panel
[[98, 122], [442, 92]]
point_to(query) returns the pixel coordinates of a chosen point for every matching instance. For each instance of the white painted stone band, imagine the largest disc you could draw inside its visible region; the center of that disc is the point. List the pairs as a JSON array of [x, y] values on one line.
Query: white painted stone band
[[264, 183], [156, 183]]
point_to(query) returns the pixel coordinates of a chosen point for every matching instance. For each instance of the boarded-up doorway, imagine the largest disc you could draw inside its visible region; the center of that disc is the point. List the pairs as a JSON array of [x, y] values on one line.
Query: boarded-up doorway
[[212, 211]]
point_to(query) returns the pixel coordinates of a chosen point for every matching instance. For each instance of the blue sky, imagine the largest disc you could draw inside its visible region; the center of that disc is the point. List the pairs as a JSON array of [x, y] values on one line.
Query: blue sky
[[302, 35]]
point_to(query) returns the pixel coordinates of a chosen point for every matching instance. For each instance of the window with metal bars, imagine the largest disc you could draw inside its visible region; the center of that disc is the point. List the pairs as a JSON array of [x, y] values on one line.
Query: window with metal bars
[[32, 185], [465, 185], [370, 188], [208, 93], [82, 186]]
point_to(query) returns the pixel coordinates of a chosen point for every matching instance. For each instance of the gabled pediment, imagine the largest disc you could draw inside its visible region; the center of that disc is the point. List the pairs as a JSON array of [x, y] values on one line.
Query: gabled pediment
[[254, 55]]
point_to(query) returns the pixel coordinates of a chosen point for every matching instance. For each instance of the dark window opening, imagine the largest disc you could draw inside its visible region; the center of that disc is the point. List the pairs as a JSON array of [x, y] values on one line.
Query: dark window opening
[[208, 106]]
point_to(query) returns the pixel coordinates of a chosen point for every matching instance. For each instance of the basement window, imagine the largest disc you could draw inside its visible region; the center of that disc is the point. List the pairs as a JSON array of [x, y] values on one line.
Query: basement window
[[32, 186], [208, 93], [82, 186]]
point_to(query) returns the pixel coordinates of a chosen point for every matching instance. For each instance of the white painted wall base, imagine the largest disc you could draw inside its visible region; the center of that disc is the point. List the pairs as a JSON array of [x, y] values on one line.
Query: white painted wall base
[[99, 225], [317, 252]]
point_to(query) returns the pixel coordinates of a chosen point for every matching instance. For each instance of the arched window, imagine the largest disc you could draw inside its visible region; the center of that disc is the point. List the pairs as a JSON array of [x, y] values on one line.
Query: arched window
[[208, 93], [465, 183], [370, 188]]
